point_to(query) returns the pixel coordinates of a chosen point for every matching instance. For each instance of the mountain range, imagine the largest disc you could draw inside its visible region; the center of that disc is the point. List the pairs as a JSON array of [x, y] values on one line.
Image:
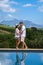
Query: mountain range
[[16, 21]]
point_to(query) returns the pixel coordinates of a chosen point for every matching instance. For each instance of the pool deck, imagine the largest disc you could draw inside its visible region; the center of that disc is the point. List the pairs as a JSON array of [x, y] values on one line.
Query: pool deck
[[20, 50]]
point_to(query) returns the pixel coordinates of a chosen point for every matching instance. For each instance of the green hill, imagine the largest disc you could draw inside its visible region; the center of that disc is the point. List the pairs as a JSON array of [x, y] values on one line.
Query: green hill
[[34, 37]]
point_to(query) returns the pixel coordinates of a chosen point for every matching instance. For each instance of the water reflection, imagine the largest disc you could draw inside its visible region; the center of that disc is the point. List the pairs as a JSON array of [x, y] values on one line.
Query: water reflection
[[21, 58], [20, 61]]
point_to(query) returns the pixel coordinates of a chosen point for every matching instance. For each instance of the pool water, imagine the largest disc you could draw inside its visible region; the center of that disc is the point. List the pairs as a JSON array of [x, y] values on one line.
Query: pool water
[[21, 58]]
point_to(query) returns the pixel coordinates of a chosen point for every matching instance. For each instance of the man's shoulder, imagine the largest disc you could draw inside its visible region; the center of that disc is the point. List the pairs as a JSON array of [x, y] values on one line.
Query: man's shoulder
[[23, 26]]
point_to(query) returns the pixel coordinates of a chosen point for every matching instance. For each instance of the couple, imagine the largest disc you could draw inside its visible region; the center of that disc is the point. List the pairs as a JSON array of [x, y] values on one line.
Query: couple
[[20, 35], [20, 61]]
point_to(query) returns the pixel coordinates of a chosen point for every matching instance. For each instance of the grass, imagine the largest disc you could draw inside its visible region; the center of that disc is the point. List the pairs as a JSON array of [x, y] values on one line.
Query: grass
[[34, 37]]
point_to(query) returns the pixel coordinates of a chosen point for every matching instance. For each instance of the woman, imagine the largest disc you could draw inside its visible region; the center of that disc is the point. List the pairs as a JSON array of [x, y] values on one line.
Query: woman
[[17, 35]]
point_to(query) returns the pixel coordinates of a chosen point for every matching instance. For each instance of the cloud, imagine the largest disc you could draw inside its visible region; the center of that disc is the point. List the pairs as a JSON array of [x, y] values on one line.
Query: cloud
[[9, 15], [40, 8], [12, 10], [6, 62], [6, 7], [13, 2], [41, 56], [27, 5], [0, 63], [2, 5], [40, 0], [4, 59], [4, 1], [9, 10], [4, 55]]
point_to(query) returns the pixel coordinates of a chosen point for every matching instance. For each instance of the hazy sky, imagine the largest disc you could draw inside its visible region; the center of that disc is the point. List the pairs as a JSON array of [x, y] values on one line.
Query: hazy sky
[[31, 10]]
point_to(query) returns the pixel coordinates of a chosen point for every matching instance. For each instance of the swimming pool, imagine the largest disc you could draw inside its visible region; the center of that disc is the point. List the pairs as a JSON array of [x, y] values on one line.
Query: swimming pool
[[21, 58]]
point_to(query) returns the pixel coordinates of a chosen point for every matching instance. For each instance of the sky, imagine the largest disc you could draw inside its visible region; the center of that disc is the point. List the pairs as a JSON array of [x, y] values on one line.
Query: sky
[[9, 58], [31, 10]]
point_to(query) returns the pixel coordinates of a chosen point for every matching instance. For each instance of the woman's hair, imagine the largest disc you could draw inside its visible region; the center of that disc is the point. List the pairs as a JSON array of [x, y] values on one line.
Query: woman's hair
[[16, 26]]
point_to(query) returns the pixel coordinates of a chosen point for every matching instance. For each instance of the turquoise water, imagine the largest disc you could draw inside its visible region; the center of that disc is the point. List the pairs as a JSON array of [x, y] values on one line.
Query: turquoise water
[[21, 58]]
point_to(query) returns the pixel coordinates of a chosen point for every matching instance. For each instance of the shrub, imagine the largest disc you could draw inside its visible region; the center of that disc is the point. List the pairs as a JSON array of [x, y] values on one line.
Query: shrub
[[34, 38]]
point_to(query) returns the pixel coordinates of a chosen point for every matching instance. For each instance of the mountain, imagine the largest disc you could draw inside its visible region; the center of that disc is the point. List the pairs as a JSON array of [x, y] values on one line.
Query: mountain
[[16, 21], [10, 22], [31, 24]]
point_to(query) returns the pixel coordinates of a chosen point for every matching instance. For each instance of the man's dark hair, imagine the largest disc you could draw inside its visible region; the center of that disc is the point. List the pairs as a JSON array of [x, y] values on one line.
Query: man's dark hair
[[21, 22]]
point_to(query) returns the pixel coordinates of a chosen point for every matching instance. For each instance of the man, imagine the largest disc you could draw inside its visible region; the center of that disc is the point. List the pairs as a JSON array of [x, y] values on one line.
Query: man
[[23, 35]]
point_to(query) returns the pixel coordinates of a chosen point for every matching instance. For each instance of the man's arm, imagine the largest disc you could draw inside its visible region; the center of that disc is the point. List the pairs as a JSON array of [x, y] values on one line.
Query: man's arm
[[21, 31]]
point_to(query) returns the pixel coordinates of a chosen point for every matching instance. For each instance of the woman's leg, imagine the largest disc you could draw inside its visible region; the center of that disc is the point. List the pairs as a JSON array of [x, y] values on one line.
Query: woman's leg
[[17, 43]]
